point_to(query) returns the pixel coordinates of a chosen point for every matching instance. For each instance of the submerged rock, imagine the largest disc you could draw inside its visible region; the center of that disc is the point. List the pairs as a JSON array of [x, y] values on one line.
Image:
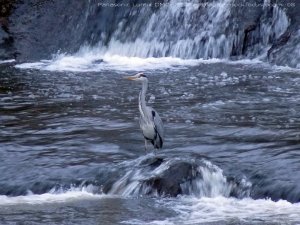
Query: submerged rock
[[169, 182], [98, 61], [158, 176]]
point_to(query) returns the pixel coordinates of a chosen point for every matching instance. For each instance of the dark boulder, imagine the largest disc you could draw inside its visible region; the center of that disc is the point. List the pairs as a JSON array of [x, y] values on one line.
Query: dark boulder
[[169, 182], [160, 176]]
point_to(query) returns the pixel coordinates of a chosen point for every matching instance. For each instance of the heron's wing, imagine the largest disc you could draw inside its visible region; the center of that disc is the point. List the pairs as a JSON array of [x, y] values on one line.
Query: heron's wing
[[158, 124]]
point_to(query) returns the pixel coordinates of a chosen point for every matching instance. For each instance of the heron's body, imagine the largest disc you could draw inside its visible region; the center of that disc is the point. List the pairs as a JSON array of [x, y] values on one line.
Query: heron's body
[[150, 122]]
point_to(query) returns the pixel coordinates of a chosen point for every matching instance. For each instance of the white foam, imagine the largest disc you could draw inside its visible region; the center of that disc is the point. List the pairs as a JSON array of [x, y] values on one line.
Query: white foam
[[89, 61], [135, 63], [285, 69], [220, 209], [71, 195], [7, 61]]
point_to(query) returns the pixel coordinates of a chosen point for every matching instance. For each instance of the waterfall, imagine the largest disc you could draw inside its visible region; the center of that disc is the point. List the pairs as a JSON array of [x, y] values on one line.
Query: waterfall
[[193, 30], [184, 30]]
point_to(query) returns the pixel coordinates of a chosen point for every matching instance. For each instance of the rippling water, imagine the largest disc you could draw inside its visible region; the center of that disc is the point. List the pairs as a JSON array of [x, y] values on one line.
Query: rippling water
[[72, 152]]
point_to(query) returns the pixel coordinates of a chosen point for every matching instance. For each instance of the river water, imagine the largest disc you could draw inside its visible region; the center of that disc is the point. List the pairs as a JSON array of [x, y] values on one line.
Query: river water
[[72, 152]]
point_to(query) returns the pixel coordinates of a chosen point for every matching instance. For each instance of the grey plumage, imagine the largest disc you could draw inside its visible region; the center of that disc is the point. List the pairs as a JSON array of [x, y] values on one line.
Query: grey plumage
[[150, 122]]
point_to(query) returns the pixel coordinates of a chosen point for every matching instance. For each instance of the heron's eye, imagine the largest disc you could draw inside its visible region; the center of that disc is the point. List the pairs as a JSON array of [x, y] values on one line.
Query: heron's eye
[[142, 75]]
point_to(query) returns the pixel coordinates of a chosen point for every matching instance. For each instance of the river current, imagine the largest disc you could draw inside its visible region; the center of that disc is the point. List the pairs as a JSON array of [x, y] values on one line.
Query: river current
[[72, 152]]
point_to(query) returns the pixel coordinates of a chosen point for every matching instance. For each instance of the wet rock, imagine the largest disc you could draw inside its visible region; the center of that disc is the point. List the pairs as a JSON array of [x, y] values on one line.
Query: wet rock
[[169, 182], [7, 50], [152, 162], [160, 176], [286, 51], [247, 32], [4, 24], [282, 40], [98, 61], [163, 187], [3, 36]]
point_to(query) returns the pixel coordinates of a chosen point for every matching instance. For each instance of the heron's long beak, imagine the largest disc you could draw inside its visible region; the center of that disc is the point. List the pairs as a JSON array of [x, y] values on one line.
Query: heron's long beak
[[130, 78]]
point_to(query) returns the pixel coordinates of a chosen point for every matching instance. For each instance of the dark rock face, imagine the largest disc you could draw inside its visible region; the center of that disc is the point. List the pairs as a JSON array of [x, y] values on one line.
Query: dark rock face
[[169, 183], [6, 38], [36, 29], [44, 27], [282, 50], [286, 50]]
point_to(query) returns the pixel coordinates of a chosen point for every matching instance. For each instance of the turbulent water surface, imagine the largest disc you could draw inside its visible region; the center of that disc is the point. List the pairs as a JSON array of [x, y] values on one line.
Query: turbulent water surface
[[72, 152], [70, 145]]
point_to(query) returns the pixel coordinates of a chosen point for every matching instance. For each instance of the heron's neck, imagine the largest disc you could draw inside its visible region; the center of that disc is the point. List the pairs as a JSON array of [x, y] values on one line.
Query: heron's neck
[[142, 97]]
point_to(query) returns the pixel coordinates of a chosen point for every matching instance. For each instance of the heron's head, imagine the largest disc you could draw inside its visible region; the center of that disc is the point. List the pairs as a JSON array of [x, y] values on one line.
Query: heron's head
[[137, 77]]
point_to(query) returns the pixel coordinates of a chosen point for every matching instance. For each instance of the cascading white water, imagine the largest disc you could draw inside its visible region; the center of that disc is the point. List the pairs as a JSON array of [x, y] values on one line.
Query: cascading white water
[[176, 31], [195, 30], [184, 30], [212, 183]]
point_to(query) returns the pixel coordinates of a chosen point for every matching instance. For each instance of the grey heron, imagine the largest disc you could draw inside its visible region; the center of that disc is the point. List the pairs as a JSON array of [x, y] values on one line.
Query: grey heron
[[150, 122]]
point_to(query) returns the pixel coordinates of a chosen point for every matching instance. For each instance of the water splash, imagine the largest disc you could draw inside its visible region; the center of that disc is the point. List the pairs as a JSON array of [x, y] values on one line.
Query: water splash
[[219, 209], [53, 196]]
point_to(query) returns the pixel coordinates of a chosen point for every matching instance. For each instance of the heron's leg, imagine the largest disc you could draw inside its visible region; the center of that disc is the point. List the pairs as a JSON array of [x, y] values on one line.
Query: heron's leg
[[146, 145]]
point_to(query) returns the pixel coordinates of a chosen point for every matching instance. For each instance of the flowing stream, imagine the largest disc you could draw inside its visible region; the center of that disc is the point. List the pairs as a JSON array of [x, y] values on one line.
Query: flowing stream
[[71, 149], [71, 145]]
